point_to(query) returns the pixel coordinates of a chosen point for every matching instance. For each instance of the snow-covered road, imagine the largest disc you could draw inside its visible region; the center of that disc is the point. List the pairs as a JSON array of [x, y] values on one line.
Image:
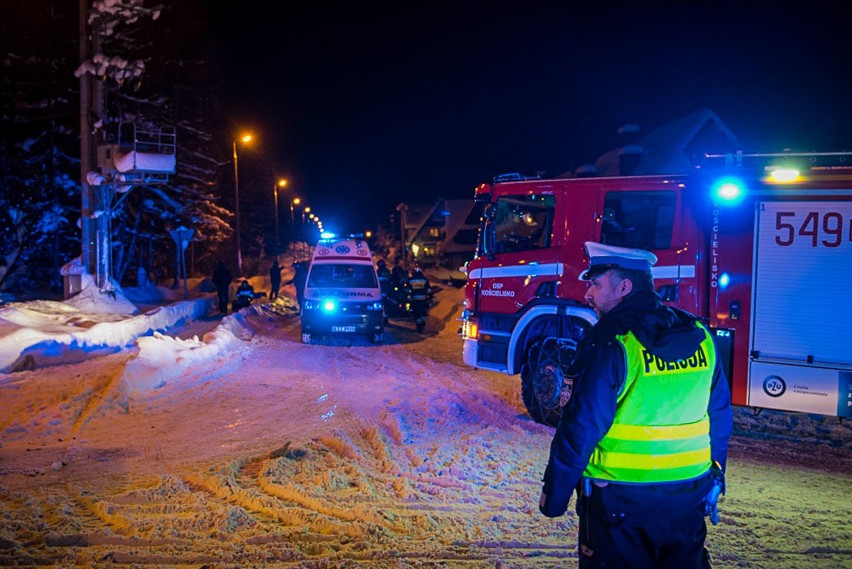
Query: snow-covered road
[[266, 452]]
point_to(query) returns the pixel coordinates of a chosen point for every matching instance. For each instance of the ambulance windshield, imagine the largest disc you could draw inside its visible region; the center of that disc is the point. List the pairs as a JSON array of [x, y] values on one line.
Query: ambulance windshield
[[342, 275]]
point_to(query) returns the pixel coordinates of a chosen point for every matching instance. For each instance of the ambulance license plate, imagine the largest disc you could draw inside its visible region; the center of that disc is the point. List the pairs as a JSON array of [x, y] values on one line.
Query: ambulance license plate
[[343, 328]]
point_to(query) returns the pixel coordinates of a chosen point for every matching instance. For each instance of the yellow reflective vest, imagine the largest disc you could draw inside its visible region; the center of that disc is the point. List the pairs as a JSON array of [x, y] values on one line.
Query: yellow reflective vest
[[661, 431]]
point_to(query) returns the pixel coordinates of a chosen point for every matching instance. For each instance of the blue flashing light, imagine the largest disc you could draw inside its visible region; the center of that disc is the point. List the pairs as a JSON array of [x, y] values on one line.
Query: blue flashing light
[[329, 305], [724, 280], [729, 190], [327, 235]]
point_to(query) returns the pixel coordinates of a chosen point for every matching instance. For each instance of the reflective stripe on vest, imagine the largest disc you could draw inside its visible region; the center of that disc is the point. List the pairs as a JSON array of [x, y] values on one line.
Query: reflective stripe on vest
[[661, 431]]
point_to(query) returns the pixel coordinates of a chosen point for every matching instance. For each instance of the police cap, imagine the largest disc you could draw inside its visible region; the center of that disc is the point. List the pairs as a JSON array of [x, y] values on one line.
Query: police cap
[[605, 257]]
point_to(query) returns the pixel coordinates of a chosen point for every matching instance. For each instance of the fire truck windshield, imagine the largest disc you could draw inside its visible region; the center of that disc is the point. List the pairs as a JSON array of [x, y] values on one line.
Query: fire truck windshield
[[522, 223]]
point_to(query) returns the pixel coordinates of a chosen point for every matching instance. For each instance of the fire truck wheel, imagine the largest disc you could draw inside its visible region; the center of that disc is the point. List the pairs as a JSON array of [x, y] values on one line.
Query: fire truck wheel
[[545, 387]]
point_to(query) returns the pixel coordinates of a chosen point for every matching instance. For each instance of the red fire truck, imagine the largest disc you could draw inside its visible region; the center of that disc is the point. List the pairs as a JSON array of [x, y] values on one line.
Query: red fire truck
[[757, 245]]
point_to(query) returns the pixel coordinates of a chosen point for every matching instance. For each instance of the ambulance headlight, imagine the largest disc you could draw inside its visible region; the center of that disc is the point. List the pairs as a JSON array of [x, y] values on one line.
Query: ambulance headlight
[[326, 305], [374, 306]]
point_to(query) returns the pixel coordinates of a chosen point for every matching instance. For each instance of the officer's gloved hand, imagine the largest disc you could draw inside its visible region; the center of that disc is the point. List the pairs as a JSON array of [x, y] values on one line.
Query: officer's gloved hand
[[554, 499], [711, 506]]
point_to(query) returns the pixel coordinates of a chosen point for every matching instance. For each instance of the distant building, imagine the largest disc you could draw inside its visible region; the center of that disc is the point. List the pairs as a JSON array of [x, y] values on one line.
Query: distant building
[[446, 236]]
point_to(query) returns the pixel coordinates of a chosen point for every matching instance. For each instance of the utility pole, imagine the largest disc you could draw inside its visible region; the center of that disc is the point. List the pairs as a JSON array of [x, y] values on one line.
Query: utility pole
[[88, 84]]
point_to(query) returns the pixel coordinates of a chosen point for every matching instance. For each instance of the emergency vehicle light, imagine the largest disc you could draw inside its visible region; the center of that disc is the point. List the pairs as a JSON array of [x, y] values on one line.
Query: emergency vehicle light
[[729, 190], [471, 330], [784, 175], [329, 305], [482, 193]]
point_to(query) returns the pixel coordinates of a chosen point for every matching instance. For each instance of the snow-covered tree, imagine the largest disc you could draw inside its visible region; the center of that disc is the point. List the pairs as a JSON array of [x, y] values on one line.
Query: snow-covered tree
[[156, 70], [39, 147]]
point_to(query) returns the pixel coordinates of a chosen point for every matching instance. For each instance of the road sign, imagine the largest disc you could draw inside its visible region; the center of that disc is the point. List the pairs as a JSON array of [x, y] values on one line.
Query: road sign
[[182, 236]]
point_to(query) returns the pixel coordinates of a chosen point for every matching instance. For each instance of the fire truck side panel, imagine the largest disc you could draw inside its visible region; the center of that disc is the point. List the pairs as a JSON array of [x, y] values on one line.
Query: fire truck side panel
[[801, 313]]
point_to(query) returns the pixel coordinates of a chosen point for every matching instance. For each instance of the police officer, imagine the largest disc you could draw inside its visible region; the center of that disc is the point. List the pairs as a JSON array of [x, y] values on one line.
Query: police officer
[[644, 437]]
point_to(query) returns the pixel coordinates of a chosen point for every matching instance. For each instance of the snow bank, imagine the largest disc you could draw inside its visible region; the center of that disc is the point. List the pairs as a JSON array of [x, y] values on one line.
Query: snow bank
[[48, 332]]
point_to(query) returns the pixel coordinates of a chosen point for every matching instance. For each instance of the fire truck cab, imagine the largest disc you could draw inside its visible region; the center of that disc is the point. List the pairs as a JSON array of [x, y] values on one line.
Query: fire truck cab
[[759, 246]]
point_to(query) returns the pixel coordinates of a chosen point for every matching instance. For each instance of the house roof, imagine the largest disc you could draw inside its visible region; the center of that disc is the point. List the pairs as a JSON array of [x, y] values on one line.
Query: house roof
[[454, 221], [416, 214], [669, 149]]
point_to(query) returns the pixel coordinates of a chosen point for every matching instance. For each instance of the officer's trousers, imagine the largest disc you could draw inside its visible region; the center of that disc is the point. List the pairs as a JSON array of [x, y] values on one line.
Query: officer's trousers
[[643, 527]]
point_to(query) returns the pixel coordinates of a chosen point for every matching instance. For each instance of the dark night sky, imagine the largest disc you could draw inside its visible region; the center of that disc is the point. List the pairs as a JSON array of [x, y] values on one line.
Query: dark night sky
[[364, 107]]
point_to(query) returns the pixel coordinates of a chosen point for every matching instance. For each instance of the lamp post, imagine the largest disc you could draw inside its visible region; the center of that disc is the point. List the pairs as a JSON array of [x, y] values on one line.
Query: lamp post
[[282, 183], [294, 201], [303, 234], [244, 138], [402, 208]]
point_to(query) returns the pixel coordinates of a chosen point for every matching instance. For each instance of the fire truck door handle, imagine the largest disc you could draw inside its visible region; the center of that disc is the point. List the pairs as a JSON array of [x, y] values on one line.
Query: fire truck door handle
[[734, 310]]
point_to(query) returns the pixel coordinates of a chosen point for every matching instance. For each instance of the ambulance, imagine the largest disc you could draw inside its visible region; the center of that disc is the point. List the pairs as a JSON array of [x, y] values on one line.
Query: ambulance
[[342, 294]]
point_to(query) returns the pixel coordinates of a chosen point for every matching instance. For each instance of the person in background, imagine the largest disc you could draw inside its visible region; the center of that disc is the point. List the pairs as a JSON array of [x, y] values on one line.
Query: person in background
[[300, 278], [398, 275], [244, 295], [222, 278], [274, 279], [420, 294], [643, 439], [384, 275]]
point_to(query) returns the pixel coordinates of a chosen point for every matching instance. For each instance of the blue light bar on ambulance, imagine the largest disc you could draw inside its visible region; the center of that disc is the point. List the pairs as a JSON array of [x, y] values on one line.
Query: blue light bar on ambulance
[[328, 235]]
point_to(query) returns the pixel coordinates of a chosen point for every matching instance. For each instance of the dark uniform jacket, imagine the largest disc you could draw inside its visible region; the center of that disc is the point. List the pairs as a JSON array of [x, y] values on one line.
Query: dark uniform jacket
[[599, 373], [222, 277]]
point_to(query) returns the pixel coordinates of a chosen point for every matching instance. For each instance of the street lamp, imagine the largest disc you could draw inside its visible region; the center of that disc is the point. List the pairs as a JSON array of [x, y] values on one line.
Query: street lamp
[[294, 201], [282, 183], [303, 234], [244, 138]]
